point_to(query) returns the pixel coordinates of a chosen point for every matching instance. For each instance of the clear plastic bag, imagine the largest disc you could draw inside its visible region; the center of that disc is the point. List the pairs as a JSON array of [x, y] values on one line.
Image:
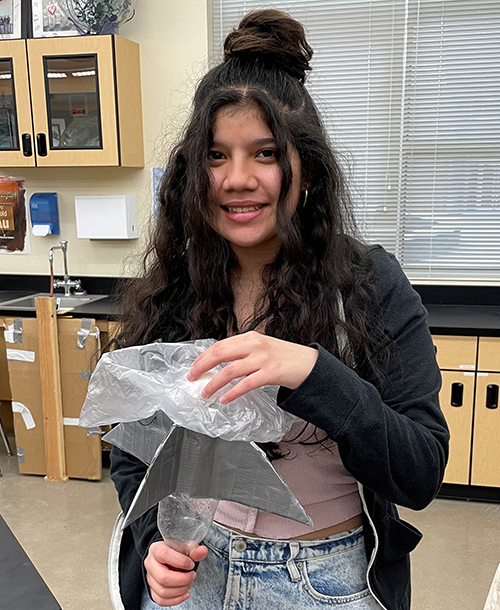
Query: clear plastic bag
[[184, 521], [131, 384]]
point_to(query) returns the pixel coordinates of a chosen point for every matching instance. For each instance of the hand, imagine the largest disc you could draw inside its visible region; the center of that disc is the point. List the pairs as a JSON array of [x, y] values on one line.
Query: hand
[[260, 359], [170, 574]]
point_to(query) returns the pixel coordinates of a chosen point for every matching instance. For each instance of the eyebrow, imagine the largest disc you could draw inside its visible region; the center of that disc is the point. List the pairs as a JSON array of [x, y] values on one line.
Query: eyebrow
[[260, 142]]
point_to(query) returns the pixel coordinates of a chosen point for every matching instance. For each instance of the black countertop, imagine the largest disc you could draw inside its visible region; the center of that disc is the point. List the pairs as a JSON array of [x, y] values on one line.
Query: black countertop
[[473, 320], [443, 319]]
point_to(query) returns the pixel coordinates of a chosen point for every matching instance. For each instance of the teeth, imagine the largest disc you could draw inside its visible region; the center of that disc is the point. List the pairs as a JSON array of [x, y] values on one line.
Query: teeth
[[242, 210]]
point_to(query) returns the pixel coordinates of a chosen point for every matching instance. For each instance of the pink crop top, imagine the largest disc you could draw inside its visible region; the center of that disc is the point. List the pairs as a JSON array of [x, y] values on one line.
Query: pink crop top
[[317, 477]]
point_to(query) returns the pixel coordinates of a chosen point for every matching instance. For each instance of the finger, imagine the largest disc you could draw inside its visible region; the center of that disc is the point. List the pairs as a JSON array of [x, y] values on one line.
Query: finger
[[251, 382], [167, 555], [169, 578], [167, 592], [234, 370], [209, 350], [169, 602], [227, 350]]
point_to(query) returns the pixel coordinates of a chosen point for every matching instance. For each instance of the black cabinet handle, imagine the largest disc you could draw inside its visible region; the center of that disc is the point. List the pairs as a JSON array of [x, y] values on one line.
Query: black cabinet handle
[[457, 394], [492, 396], [41, 144], [27, 148]]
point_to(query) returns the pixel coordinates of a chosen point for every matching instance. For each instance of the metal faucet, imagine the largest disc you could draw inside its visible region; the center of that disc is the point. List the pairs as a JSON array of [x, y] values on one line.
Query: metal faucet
[[67, 283]]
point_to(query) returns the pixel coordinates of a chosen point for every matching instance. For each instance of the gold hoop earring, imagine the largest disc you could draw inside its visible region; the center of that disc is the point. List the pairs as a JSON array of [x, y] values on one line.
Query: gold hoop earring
[[305, 198]]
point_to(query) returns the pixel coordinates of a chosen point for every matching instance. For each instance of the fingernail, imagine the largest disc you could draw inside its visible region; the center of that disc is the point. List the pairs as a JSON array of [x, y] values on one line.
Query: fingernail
[[204, 394], [195, 575], [223, 399], [189, 377]]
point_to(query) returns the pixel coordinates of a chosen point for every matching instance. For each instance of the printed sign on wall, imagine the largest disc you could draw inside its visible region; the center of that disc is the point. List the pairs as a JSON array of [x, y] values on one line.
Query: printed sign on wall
[[14, 236]]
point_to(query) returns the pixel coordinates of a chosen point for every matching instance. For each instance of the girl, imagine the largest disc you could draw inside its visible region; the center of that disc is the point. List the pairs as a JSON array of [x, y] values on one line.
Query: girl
[[254, 247]]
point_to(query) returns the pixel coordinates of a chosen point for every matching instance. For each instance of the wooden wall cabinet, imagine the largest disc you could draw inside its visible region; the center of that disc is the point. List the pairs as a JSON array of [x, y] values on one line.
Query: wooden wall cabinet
[[69, 102], [469, 398]]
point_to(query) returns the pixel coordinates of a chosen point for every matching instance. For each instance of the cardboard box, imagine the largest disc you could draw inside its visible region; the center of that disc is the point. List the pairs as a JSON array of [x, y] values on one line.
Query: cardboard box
[[83, 453], [24, 373]]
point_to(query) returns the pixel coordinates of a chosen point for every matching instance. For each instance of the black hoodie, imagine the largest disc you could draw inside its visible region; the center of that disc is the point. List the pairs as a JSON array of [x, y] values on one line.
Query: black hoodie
[[395, 444]]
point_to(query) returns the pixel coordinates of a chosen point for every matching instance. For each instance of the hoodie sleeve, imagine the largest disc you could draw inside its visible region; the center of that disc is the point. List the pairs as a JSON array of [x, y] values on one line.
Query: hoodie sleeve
[[396, 444]]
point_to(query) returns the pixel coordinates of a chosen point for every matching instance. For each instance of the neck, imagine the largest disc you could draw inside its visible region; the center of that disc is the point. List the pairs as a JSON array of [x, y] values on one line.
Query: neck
[[252, 260]]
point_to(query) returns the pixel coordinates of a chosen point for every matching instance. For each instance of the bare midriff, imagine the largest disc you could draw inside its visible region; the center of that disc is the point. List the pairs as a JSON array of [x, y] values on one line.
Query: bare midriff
[[323, 533]]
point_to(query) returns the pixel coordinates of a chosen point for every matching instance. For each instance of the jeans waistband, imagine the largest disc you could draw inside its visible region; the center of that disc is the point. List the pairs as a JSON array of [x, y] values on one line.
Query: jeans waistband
[[263, 550]]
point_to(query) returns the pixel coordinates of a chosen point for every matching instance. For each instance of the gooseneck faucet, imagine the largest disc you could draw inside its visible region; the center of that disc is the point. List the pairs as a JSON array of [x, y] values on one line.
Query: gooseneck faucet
[[67, 283]]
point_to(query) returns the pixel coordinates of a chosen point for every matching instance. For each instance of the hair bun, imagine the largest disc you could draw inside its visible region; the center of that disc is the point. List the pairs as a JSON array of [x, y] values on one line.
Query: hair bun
[[272, 37]]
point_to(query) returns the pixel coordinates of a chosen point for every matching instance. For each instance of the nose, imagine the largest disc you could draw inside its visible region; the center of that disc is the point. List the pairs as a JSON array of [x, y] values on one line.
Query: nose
[[239, 176]]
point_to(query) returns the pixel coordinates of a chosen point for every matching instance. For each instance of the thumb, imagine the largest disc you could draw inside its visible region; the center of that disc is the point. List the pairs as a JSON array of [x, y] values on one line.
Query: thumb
[[199, 553]]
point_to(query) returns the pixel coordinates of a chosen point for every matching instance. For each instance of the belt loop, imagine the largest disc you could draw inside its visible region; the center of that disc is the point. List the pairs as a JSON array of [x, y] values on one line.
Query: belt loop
[[290, 564]]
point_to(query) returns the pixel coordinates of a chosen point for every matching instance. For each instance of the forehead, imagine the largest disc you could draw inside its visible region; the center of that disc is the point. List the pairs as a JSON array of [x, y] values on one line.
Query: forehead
[[237, 117]]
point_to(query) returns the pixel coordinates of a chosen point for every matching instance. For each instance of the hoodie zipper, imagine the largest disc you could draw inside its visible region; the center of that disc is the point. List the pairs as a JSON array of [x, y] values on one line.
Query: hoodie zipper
[[374, 552]]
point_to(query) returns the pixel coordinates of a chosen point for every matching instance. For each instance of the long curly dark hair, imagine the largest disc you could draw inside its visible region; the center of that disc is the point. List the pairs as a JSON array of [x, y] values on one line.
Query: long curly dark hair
[[185, 289]]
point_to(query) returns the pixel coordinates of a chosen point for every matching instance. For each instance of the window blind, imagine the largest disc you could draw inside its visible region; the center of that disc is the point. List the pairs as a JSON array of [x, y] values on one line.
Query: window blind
[[410, 94]]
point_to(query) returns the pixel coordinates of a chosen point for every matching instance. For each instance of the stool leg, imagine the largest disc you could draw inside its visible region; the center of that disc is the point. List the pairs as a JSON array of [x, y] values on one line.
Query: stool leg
[[5, 439]]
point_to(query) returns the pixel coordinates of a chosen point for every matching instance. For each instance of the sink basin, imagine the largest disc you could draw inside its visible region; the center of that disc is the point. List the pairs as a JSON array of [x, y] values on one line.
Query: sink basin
[[62, 302]]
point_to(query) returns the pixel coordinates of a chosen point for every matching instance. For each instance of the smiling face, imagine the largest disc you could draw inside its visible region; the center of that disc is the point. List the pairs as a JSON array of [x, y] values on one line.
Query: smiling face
[[246, 180]]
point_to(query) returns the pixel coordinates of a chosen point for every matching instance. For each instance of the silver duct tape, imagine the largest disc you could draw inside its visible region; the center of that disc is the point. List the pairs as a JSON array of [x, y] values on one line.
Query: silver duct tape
[[93, 431], [141, 438], [84, 332], [17, 331], [85, 375], [20, 455], [205, 467]]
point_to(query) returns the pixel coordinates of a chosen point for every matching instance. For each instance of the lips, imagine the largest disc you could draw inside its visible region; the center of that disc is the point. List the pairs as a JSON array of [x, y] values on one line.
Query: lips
[[252, 210]]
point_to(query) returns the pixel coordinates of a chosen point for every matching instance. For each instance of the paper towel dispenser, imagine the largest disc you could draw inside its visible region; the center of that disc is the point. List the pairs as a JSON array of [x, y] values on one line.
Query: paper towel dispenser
[[44, 214], [106, 216]]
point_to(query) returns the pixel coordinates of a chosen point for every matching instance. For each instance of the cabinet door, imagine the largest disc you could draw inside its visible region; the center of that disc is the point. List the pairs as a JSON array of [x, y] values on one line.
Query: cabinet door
[[456, 399], [454, 352], [486, 446], [74, 102], [16, 141], [489, 354]]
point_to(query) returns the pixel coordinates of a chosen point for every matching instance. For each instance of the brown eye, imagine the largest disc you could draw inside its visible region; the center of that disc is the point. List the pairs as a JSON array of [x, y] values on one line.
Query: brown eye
[[214, 155], [268, 153]]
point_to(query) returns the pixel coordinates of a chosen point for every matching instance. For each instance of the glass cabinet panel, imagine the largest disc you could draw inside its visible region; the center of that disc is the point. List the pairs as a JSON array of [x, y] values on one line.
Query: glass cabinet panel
[[73, 102], [9, 138]]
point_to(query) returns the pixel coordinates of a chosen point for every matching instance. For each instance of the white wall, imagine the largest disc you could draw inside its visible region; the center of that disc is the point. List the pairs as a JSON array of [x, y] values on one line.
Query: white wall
[[173, 38]]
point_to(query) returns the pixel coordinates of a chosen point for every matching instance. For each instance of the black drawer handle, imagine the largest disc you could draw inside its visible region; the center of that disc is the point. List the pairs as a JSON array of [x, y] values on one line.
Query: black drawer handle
[[27, 148], [457, 394], [41, 144], [492, 397]]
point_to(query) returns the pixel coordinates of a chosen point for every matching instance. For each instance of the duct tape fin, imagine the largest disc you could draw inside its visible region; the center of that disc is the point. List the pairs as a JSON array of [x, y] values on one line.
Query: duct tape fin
[[141, 438], [205, 467]]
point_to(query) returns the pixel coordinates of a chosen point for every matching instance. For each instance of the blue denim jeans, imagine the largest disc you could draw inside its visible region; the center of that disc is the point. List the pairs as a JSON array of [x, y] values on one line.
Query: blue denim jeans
[[245, 573]]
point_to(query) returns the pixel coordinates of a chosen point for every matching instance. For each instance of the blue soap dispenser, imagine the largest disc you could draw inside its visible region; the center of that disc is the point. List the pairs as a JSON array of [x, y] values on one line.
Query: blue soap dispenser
[[44, 214]]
